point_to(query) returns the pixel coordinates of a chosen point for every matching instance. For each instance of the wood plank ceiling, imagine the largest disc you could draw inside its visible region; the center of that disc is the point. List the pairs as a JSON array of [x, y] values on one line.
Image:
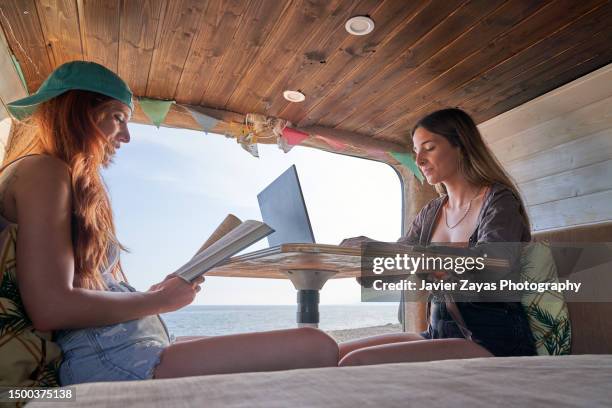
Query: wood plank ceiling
[[485, 56]]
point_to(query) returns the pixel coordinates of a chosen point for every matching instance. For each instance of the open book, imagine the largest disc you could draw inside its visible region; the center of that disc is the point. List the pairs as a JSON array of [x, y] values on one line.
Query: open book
[[230, 237]]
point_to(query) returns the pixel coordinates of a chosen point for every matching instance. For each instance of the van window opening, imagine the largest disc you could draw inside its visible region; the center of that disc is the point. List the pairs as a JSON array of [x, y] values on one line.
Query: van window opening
[[170, 188]]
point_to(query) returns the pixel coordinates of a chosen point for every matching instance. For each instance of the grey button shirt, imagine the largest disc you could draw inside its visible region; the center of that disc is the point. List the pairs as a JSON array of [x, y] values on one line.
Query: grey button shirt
[[499, 221]]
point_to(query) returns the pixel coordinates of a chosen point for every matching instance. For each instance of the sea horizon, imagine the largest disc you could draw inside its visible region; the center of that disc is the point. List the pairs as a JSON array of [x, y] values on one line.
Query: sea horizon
[[215, 320]]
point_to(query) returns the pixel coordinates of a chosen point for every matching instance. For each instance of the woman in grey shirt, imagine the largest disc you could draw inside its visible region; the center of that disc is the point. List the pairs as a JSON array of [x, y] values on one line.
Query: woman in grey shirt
[[480, 209]]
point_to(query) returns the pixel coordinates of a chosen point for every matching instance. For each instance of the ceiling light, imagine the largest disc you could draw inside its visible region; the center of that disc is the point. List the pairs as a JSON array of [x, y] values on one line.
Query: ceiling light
[[294, 96], [360, 25]]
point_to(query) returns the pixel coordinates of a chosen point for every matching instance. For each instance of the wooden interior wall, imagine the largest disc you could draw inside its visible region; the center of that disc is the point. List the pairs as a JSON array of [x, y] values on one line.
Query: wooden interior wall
[[416, 195], [558, 148], [485, 56]]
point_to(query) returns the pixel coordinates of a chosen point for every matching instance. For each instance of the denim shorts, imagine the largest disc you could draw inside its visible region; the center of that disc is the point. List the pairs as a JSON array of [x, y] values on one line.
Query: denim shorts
[[501, 328], [119, 352]]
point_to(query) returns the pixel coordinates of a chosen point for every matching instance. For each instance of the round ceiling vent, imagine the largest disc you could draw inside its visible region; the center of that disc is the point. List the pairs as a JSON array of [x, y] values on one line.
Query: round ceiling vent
[[294, 96], [359, 25]]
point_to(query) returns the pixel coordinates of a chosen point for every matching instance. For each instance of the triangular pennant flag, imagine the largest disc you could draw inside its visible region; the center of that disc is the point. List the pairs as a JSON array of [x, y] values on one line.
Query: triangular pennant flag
[[251, 148], [282, 144], [380, 155], [155, 109], [336, 145], [208, 123], [294, 136], [407, 161], [20, 73]]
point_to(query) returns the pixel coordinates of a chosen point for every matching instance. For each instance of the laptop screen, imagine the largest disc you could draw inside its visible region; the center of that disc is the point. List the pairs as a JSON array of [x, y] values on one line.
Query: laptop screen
[[283, 208]]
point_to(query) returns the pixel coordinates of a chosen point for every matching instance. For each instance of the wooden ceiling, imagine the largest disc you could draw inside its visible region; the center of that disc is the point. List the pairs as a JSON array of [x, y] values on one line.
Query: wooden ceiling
[[485, 56]]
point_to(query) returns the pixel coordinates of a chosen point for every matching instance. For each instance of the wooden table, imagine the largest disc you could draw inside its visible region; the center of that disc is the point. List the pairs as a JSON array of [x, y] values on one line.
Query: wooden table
[[307, 266]]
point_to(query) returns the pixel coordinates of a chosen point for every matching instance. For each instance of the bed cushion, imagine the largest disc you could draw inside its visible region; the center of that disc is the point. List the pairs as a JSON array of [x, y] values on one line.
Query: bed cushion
[[483, 382]]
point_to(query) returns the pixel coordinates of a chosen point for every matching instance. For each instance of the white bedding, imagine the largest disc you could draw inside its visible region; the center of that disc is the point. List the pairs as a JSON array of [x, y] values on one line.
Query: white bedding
[[577, 381]]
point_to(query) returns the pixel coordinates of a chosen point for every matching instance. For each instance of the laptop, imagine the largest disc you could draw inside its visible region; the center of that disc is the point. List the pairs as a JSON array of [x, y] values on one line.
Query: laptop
[[283, 208]]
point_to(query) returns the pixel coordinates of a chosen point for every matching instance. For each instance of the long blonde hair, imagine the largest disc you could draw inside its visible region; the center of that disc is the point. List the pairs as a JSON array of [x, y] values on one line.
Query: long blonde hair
[[477, 163], [65, 127]]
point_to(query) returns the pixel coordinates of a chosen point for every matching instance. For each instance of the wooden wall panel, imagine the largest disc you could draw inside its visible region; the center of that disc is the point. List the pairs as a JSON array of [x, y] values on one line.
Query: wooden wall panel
[[358, 59], [577, 153], [487, 84], [252, 35], [316, 56], [569, 184], [221, 20], [561, 152], [483, 56], [555, 104], [291, 32], [60, 27], [564, 67], [445, 45], [544, 21], [23, 33], [137, 35], [587, 209], [298, 64], [544, 53], [582, 122], [397, 54], [179, 25], [99, 25]]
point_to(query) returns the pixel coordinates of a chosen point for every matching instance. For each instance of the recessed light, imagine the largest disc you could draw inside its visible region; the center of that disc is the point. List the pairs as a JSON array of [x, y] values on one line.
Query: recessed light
[[294, 96], [359, 25]]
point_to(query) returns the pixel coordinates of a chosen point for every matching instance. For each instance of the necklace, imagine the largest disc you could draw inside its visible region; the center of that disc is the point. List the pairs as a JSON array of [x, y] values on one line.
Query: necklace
[[464, 215]]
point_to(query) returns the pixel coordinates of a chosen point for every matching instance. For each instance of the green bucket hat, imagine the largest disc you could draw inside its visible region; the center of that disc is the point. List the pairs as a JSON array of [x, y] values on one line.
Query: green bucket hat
[[82, 75]]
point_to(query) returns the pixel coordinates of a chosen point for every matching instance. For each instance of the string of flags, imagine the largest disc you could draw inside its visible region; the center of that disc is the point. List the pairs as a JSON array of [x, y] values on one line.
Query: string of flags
[[155, 109], [256, 128]]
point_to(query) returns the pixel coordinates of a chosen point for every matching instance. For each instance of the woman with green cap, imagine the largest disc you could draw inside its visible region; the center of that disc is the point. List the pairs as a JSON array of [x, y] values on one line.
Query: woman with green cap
[[68, 270]]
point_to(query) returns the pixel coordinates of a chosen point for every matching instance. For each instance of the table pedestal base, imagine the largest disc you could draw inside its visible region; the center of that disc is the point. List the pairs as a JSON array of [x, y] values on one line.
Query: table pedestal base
[[307, 308], [308, 283]]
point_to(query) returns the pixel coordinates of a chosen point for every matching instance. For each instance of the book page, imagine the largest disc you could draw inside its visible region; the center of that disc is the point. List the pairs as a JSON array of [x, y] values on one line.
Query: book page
[[235, 241], [229, 223]]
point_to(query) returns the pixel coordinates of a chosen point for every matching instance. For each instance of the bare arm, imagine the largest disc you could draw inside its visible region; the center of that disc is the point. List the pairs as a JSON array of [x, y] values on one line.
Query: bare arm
[[45, 259]]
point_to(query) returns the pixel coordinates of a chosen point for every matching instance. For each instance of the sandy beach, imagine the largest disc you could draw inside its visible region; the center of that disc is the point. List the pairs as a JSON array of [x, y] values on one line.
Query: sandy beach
[[351, 334]]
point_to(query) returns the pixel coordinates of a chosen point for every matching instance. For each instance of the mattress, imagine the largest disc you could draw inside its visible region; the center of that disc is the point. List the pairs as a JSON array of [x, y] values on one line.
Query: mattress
[[563, 381]]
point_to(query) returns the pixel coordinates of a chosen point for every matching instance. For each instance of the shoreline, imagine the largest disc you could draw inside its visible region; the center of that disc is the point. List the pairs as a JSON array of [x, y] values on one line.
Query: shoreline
[[361, 332]]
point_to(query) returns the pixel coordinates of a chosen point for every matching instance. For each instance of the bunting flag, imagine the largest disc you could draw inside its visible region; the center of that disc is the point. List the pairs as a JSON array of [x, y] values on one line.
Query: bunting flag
[[20, 73], [155, 109], [407, 161], [251, 148], [380, 155], [249, 143], [334, 144], [293, 136], [208, 123]]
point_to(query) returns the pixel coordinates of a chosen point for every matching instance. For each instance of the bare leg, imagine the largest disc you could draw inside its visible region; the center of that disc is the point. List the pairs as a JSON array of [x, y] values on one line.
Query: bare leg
[[265, 351], [349, 346], [424, 350]]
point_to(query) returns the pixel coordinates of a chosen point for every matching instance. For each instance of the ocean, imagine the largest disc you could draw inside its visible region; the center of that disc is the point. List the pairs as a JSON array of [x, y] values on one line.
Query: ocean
[[219, 320]]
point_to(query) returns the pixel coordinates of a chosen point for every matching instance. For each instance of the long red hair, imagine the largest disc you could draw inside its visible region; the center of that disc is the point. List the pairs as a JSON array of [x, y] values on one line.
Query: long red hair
[[65, 127]]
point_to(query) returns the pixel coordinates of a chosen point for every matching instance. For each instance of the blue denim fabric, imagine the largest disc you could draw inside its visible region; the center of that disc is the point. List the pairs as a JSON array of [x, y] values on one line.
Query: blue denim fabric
[[119, 352], [501, 328]]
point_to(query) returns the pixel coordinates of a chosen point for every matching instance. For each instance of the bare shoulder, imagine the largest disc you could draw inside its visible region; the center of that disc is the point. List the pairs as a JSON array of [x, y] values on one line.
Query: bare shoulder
[[42, 167], [41, 164], [40, 175]]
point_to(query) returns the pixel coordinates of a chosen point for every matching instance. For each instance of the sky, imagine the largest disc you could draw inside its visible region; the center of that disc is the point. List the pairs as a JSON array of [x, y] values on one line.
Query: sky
[[170, 188]]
